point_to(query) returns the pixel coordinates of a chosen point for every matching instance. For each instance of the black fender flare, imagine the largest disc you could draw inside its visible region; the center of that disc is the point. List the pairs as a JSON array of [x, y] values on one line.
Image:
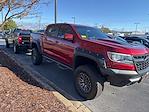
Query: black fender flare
[[37, 44], [96, 57]]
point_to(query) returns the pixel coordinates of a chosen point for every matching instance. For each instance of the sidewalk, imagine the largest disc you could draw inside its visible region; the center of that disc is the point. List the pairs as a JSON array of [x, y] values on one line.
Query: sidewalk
[[19, 96], [2, 42]]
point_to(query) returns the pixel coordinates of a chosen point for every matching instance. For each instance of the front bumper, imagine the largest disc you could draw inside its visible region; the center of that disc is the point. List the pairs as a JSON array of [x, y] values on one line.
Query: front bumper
[[124, 77]]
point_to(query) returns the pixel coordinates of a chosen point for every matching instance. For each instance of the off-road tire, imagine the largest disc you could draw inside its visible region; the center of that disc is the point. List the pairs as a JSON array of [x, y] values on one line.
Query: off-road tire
[[7, 43], [36, 56], [97, 83]]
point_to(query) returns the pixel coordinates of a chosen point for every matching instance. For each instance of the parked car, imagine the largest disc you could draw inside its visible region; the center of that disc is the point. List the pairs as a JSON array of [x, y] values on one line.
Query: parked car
[[142, 40], [10, 36], [20, 39], [118, 38], [6, 33], [92, 55]]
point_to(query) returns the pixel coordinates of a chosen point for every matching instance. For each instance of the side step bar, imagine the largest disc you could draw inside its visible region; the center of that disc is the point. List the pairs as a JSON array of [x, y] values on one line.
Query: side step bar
[[60, 65]]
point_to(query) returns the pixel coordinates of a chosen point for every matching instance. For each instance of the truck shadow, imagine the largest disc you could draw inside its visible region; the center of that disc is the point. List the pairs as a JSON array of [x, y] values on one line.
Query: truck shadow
[[61, 79]]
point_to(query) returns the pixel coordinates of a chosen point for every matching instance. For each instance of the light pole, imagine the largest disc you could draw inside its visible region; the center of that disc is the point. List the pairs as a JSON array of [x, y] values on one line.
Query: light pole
[[136, 27], [55, 11], [74, 19], [39, 22], [2, 15], [1, 10]]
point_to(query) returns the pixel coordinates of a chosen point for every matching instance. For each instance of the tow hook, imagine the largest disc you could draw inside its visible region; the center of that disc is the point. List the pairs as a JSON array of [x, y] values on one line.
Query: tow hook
[[140, 80], [144, 77]]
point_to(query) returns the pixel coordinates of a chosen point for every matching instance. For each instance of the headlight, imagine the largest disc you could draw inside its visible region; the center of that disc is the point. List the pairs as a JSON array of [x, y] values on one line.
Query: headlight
[[121, 58]]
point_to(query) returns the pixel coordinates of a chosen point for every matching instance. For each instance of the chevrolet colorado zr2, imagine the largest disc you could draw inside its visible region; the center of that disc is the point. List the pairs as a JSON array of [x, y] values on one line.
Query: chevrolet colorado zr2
[[92, 55]]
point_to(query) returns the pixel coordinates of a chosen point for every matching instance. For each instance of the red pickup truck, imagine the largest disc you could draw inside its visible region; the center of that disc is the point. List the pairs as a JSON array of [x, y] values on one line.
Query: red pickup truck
[[92, 55]]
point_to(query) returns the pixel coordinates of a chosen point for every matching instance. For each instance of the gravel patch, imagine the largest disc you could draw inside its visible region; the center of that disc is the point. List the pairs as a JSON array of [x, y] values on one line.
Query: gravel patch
[[19, 92], [18, 96], [7, 62]]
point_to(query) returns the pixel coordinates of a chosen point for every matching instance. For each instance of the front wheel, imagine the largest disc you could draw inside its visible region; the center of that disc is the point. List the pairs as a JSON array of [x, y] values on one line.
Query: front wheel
[[87, 83], [36, 57]]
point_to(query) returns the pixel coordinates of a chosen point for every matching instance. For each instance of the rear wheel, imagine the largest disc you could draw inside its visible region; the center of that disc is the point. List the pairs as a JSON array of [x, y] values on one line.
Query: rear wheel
[[36, 56], [7, 43], [87, 83]]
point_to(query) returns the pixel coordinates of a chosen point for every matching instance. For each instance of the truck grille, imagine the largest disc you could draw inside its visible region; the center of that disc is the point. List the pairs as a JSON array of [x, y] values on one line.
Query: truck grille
[[141, 62]]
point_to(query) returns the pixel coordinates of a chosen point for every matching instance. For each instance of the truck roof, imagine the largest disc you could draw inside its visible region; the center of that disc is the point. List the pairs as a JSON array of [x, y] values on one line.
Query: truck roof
[[70, 24]]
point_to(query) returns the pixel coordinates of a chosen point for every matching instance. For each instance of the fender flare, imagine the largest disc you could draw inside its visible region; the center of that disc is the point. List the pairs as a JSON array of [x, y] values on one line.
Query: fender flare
[[96, 57], [37, 43]]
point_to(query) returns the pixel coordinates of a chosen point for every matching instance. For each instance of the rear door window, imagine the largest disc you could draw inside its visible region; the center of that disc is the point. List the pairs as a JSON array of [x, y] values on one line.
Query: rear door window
[[25, 32], [52, 30]]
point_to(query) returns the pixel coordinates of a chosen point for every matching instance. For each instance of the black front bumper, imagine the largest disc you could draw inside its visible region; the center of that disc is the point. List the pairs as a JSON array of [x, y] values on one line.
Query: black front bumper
[[124, 77]]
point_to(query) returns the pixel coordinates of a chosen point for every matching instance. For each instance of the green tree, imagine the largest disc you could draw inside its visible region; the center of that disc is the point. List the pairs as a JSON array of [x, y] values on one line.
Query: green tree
[[18, 9], [105, 30], [10, 24]]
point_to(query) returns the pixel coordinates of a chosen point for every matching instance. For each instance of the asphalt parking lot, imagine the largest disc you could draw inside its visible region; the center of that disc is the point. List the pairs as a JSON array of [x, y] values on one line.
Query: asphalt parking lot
[[134, 98]]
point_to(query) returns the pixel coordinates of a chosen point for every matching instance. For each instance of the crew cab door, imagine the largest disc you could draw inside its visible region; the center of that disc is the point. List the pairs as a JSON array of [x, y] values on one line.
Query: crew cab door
[[50, 40], [65, 48]]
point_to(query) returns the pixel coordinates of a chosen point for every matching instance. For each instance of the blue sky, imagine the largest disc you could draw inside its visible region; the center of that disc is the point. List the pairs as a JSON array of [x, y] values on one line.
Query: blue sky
[[116, 14]]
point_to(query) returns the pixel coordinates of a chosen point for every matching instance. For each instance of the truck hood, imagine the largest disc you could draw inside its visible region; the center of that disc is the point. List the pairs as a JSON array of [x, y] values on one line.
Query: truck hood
[[123, 47]]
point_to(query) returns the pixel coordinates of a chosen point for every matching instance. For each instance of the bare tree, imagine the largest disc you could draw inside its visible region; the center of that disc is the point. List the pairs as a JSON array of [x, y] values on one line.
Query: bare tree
[[18, 9]]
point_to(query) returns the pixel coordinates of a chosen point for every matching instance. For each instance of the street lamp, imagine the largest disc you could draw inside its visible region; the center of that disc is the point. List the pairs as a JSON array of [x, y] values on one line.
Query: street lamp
[[74, 19], [39, 21], [2, 15], [136, 27], [1, 9]]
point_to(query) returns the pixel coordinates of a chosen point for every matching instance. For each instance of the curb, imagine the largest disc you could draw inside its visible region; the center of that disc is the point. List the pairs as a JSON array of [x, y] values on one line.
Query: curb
[[74, 106]]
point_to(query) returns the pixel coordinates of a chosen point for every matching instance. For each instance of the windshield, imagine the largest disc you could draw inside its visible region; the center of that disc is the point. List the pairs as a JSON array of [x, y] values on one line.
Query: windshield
[[90, 33], [25, 32]]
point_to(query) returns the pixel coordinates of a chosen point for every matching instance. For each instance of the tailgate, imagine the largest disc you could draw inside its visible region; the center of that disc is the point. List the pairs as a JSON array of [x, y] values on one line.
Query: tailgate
[[25, 38]]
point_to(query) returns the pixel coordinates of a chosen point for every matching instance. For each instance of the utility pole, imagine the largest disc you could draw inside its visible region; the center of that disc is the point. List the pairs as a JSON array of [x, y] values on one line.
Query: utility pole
[[2, 15], [74, 19], [55, 11], [145, 29], [39, 22], [2, 18], [136, 27], [1, 10]]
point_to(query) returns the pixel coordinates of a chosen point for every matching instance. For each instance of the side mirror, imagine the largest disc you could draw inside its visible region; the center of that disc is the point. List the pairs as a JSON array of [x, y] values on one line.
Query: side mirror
[[68, 37]]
